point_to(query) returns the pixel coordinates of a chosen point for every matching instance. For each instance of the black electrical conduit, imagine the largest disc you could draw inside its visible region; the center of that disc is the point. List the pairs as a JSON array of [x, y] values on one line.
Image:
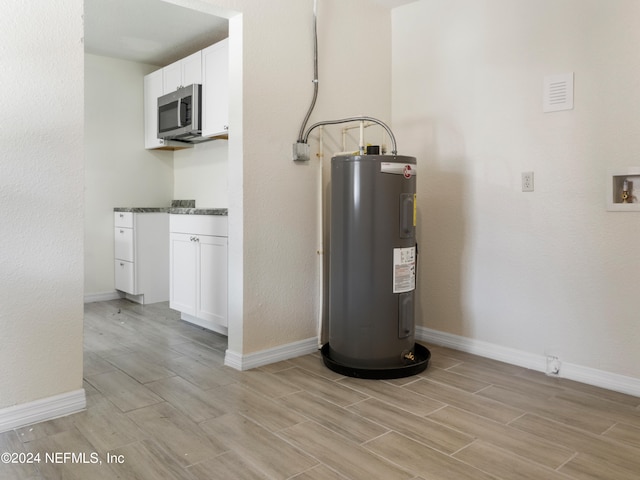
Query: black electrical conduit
[[302, 136]]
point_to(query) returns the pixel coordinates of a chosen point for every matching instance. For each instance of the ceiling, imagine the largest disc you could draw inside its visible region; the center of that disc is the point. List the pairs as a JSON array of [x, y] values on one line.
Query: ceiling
[[154, 31], [148, 31]]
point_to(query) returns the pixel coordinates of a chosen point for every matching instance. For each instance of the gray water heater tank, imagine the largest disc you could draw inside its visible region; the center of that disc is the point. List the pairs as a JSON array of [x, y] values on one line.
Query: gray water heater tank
[[373, 262]]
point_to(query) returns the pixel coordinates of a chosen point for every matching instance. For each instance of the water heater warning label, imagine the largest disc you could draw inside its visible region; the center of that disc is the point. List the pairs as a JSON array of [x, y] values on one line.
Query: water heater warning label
[[404, 269]]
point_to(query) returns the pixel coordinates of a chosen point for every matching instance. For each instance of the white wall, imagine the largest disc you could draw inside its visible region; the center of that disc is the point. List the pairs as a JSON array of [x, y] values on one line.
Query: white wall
[[544, 272], [200, 174], [119, 172], [41, 200]]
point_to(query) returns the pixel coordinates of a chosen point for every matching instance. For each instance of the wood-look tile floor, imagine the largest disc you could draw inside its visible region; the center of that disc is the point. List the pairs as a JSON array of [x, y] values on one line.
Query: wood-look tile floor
[[161, 405]]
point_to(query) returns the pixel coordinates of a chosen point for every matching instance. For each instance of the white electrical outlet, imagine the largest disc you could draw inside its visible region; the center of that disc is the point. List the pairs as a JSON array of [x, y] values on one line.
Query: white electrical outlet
[[527, 181], [553, 365]]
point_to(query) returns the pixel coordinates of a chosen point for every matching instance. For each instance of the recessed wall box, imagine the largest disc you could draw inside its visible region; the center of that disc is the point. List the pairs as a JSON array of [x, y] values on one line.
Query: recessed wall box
[[623, 190]]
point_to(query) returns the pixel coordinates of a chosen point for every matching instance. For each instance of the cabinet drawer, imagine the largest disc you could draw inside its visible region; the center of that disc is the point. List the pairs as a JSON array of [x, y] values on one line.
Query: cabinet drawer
[[123, 244], [123, 219], [124, 277], [199, 224]]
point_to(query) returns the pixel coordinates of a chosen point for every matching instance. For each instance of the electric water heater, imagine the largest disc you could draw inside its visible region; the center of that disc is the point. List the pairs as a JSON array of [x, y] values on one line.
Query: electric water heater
[[373, 268]]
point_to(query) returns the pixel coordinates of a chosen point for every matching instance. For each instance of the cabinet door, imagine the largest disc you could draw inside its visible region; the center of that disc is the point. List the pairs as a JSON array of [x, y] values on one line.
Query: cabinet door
[[125, 277], [183, 273], [123, 244], [123, 219], [183, 72], [172, 77], [212, 301], [215, 89], [192, 69], [152, 90]]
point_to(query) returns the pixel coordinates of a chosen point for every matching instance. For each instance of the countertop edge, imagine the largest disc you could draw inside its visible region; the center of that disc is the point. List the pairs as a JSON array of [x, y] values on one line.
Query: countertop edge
[[174, 210], [199, 211]]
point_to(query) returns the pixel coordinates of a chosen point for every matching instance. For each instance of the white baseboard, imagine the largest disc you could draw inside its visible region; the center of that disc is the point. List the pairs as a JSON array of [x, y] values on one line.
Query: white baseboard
[[271, 355], [600, 378], [42, 410], [101, 297], [483, 349], [578, 373]]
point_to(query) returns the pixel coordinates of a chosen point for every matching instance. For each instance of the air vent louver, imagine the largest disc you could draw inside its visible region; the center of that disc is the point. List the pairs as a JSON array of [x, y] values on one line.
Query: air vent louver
[[558, 92]]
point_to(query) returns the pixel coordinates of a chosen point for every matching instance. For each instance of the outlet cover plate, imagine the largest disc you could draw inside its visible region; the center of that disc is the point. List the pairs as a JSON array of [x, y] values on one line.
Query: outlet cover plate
[[553, 366], [527, 181]]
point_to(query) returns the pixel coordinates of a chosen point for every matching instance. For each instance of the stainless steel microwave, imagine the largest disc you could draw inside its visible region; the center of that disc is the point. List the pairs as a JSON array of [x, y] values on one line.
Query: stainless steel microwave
[[180, 114]]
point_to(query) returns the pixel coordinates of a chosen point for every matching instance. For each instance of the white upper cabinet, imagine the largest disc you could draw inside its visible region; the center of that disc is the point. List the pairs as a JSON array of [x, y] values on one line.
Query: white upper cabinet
[[182, 73], [208, 67], [215, 89], [152, 90]]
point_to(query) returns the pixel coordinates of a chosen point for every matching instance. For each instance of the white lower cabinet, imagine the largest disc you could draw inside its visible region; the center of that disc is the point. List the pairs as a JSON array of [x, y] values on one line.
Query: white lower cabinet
[[198, 269], [141, 251], [125, 277], [184, 259]]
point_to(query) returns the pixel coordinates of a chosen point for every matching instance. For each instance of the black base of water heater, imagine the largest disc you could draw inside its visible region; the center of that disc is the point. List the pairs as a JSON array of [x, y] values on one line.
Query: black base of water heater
[[420, 352]]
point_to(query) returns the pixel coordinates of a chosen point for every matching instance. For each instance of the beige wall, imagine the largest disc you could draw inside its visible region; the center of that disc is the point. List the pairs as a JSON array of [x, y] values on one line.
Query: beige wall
[[280, 235], [41, 199], [544, 272]]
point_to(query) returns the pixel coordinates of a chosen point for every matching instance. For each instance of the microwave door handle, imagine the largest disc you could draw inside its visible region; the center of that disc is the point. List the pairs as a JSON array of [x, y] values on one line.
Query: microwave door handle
[[179, 109]]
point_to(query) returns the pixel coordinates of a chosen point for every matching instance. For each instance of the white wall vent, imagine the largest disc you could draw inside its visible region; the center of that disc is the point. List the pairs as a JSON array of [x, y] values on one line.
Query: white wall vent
[[558, 92]]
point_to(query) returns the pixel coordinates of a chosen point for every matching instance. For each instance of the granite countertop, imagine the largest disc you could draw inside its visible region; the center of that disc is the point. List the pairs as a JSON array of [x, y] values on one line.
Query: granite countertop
[[178, 207], [141, 209], [198, 211]]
